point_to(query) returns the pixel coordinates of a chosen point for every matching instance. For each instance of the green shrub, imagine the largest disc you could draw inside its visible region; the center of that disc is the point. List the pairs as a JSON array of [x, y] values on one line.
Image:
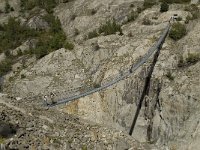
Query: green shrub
[[2, 140], [69, 45], [148, 3], [5, 67], [54, 23], [146, 21], [51, 40], [40, 52], [179, 18], [192, 58], [14, 34], [110, 27], [96, 85], [92, 34], [48, 5], [84, 147], [177, 31], [164, 7], [23, 76], [169, 76]]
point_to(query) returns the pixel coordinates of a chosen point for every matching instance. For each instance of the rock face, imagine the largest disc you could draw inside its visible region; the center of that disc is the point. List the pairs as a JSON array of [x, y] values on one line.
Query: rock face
[[194, 1], [180, 99], [169, 117], [86, 15]]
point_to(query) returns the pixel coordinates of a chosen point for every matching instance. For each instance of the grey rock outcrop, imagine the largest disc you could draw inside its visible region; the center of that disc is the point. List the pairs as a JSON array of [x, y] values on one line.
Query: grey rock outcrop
[[37, 23], [194, 1]]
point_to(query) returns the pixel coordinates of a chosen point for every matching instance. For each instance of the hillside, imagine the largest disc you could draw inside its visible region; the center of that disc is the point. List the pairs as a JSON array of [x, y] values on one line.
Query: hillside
[[69, 47]]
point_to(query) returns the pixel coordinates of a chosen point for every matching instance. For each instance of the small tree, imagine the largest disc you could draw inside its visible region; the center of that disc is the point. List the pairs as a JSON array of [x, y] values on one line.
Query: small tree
[[164, 7], [177, 31]]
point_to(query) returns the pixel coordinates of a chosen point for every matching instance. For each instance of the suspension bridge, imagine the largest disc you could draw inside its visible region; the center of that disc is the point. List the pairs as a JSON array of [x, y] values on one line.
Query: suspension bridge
[[156, 47]]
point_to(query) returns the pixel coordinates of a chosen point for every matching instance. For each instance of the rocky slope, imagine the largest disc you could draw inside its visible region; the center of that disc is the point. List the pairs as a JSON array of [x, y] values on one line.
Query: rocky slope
[[38, 128], [172, 124]]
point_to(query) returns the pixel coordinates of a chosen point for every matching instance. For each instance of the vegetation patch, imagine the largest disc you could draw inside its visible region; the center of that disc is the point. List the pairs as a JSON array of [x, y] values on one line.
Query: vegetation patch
[[13, 34], [5, 66], [84, 147], [190, 60], [177, 31], [2, 140], [96, 85], [146, 21], [179, 18], [164, 7], [93, 34], [148, 3], [170, 76], [176, 1], [194, 10], [51, 40], [110, 27], [48, 5]]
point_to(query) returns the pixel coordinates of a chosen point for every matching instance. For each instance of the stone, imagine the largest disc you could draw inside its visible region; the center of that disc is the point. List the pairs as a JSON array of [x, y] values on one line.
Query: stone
[[37, 23], [2, 57]]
